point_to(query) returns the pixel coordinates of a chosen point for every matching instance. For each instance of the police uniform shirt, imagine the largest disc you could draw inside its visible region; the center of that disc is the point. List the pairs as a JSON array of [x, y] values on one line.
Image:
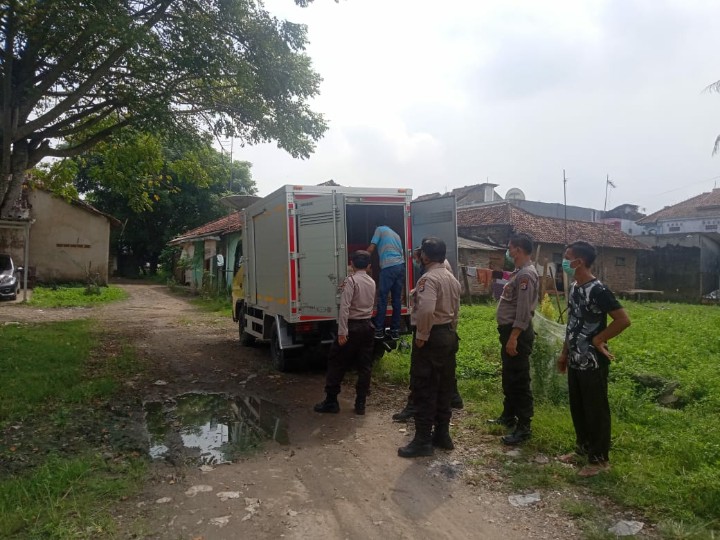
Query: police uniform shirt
[[357, 299], [519, 298], [436, 300]]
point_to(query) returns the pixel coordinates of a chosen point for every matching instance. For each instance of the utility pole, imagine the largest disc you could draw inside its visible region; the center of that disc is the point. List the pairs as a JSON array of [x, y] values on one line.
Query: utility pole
[[565, 204]]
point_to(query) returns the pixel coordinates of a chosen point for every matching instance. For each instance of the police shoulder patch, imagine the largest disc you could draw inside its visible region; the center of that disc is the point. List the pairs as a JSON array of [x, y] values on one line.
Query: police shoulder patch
[[524, 283], [421, 284]]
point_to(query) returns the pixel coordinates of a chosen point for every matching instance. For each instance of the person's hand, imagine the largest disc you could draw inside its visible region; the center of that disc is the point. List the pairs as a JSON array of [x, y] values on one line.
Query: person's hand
[[511, 346], [562, 362], [419, 343], [342, 340], [602, 348]]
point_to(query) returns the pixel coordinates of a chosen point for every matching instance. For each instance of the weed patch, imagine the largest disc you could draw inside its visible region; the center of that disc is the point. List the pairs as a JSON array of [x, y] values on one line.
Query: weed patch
[[75, 296], [65, 456], [665, 455]]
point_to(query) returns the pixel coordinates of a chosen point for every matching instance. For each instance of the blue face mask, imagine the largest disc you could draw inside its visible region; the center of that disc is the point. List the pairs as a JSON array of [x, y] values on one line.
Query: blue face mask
[[569, 270], [508, 258]]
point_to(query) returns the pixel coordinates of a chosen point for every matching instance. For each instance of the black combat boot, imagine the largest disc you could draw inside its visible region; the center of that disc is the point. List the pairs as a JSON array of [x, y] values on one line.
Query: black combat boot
[[421, 445], [521, 434], [457, 401], [441, 437], [502, 420], [360, 405], [328, 405], [406, 414]]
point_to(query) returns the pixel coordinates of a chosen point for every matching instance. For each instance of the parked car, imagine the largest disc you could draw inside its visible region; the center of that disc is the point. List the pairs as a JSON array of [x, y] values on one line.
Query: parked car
[[9, 277]]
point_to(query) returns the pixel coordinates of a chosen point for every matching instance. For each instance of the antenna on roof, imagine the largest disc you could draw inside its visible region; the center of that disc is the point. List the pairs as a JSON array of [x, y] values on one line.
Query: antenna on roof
[[608, 184], [565, 203]]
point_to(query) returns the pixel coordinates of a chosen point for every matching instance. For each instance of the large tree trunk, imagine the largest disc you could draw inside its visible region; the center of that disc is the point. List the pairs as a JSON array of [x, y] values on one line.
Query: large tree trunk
[[18, 174]]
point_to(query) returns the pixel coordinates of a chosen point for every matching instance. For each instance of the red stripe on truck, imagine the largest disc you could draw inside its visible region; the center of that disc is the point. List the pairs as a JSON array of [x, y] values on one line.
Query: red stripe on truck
[[293, 262]]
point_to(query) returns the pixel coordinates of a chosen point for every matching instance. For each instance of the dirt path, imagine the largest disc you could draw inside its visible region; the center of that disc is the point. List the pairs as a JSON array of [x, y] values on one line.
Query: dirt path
[[339, 477]]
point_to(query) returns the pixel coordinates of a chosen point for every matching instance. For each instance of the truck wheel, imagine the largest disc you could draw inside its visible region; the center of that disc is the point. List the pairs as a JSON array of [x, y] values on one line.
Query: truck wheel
[[279, 357], [246, 339]]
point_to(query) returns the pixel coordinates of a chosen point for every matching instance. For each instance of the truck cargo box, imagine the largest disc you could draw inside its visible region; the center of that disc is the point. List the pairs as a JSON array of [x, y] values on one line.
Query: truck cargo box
[[297, 244]]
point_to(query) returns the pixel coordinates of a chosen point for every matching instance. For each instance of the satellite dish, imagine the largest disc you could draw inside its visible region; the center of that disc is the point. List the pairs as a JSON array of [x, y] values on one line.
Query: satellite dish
[[515, 194], [238, 202]]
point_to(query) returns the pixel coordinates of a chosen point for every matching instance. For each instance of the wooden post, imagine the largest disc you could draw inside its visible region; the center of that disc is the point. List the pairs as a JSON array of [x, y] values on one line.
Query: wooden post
[[468, 298]]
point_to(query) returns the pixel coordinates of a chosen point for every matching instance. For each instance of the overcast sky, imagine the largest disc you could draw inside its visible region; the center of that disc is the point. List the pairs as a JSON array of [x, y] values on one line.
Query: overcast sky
[[435, 95]]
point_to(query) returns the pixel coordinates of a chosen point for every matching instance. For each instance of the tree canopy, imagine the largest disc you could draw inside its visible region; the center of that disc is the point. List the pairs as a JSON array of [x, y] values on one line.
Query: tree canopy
[[157, 186], [77, 72]]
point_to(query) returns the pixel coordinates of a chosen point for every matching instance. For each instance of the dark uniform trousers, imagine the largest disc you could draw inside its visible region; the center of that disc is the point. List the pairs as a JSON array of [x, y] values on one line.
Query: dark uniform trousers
[[432, 375], [357, 352], [516, 374], [590, 410]]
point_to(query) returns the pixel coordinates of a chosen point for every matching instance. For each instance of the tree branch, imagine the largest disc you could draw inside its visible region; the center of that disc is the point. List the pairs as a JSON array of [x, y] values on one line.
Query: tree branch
[[72, 151], [56, 129], [92, 79]]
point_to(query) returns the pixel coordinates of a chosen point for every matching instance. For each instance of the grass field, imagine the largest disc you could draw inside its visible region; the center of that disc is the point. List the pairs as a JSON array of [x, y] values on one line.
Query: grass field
[[59, 478], [666, 459], [75, 296]]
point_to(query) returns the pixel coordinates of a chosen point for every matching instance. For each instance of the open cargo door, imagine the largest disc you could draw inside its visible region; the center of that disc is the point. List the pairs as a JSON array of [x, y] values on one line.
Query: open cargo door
[[437, 217], [320, 230]]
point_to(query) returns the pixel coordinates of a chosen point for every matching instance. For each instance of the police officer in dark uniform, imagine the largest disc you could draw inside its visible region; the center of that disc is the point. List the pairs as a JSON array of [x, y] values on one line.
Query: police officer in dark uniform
[[514, 318], [354, 343], [432, 362], [456, 402]]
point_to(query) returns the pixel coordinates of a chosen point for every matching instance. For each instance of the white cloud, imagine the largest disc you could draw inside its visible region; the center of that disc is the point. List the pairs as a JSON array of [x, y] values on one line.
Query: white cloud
[[433, 96]]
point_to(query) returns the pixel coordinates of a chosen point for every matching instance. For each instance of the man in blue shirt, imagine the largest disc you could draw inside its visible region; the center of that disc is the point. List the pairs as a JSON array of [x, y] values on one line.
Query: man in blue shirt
[[392, 278]]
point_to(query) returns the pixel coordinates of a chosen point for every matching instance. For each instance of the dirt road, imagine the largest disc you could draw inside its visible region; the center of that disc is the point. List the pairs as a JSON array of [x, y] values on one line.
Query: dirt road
[[338, 477]]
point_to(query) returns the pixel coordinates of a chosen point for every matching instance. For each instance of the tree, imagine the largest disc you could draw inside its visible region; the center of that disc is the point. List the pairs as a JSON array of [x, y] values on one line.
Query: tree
[[715, 87], [80, 71], [157, 186]]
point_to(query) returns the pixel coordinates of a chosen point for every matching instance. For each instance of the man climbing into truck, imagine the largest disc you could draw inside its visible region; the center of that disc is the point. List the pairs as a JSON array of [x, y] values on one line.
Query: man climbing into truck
[[392, 278]]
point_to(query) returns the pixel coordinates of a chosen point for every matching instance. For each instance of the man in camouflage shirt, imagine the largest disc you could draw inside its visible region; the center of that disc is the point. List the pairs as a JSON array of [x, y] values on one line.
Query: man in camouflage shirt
[[586, 358]]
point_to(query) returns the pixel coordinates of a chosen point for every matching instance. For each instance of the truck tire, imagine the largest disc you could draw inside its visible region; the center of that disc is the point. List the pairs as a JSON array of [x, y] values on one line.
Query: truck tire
[[246, 340], [279, 357]]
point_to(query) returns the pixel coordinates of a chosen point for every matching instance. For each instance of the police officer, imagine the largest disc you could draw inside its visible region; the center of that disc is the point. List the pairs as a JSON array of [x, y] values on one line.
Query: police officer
[[435, 343], [456, 402], [354, 343], [514, 318]]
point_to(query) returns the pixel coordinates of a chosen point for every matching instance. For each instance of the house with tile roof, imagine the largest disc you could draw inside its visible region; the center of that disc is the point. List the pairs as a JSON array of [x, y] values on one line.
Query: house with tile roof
[[58, 240], [685, 242], [201, 246], [495, 223]]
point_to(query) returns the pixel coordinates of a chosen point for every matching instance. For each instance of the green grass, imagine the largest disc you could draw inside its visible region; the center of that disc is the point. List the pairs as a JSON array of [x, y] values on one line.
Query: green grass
[[214, 304], [56, 379], [666, 462], [74, 296], [66, 497]]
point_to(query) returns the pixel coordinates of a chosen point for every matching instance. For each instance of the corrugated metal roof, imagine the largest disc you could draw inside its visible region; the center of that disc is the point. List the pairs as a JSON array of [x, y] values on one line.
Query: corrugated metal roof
[[546, 230], [466, 243]]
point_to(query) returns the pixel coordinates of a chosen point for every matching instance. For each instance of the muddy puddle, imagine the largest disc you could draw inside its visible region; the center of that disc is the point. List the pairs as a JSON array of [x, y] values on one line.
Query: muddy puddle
[[212, 428]]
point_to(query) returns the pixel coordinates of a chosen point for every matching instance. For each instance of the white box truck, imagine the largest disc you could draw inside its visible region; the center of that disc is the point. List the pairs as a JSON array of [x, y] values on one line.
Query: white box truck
[[296, 245]]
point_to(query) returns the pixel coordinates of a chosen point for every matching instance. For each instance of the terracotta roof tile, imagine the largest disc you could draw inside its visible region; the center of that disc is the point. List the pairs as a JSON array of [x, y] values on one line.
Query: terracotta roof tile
[[703, 205], [546, 230], [224, 225]]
